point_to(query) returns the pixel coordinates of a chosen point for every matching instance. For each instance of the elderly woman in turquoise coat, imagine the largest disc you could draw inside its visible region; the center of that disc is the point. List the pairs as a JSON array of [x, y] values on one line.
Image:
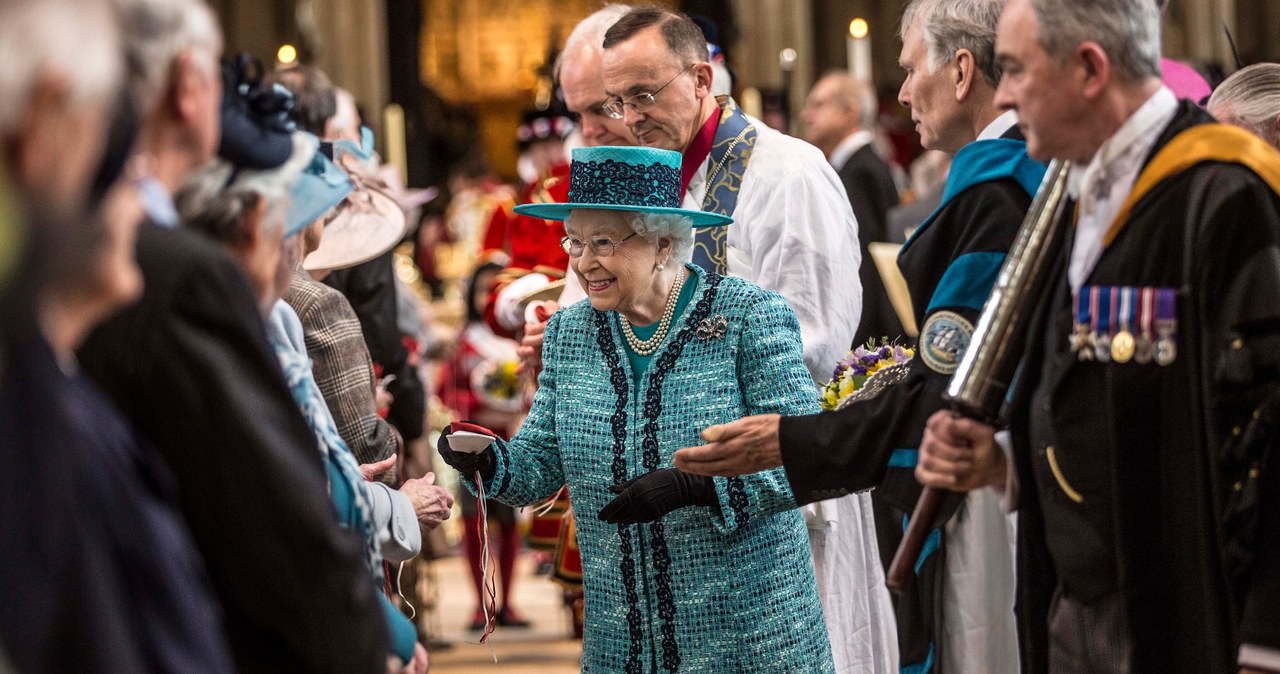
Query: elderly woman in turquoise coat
[[682, 573]]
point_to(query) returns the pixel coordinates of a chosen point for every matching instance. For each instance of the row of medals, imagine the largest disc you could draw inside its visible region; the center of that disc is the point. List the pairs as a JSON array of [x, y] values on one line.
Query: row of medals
[[1124, 346]]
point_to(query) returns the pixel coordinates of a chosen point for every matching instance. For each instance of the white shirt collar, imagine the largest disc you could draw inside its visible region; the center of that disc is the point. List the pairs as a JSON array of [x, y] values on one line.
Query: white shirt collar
[[1103, 185], [999, 126], [1124, 151], [851, 144], [157, 202]]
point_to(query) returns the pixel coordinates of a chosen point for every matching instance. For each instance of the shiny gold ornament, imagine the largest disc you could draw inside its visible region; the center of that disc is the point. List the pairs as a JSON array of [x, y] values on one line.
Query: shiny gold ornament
[[1122, 346]]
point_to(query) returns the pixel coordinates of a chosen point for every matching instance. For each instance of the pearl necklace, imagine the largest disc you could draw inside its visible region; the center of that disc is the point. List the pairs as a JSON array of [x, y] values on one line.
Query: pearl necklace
[[648, 346]]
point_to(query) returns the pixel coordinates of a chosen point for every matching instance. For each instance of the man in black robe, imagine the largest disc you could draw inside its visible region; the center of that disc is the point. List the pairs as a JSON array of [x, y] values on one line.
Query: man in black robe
[[1144, 419], [950, 264], [839, 119]]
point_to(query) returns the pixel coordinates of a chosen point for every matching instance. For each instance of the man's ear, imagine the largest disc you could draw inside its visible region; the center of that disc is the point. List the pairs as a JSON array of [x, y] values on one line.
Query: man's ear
[[35, 146], [187, 82], [702, 75], [1095, 68], [966, 69]]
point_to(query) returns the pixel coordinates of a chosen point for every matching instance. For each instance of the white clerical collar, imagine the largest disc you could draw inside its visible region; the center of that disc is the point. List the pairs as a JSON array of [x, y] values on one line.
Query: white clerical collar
[[847, 147], [999, 126], [1124, 151]]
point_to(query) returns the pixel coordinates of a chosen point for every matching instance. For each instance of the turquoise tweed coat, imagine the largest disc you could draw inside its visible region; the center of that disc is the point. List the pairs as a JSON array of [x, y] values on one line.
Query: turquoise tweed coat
[[724, 589]]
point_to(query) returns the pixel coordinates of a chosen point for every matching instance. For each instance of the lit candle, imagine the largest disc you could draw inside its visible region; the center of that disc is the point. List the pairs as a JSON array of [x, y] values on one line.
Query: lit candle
[[859, 49], [393, 123]]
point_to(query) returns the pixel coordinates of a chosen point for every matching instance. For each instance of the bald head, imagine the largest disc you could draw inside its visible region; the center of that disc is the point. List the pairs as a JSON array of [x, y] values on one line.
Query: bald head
[[837, 106], [577, 71]]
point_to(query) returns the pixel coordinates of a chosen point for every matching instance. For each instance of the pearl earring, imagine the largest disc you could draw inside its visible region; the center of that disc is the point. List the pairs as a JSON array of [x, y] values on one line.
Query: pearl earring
[[660, 267]]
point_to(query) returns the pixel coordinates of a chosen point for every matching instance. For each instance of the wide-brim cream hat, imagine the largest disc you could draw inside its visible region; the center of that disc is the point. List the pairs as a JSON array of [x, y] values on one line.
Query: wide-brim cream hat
[[368, 223]]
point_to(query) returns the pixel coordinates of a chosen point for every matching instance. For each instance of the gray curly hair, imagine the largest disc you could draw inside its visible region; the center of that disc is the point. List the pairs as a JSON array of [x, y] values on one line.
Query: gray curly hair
[[654, 226], [215, 198]]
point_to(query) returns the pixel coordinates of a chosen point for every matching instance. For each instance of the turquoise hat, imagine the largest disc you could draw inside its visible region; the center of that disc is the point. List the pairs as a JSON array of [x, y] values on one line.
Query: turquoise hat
[[321, 186], [638, 179]]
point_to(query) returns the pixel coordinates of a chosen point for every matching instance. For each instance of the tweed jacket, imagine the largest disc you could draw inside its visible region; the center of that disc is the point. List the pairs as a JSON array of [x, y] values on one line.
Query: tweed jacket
[[342, 368], [723, 589]]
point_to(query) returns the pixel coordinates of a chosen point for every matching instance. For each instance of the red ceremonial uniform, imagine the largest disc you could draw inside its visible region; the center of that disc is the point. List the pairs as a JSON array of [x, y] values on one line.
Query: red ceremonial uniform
[[530, 244]]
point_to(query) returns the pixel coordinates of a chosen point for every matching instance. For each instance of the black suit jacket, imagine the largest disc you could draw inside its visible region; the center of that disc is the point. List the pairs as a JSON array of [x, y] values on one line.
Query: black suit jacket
[[191, 367], [872, 192]]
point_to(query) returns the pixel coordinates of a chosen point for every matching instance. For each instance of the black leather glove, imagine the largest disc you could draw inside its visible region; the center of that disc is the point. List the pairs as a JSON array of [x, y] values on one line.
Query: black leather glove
[[463, 462], [652, 495]]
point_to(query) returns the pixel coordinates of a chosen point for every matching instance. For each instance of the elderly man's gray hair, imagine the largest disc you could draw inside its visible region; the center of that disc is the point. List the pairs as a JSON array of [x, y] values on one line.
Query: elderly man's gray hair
[[74, 39], [1127, 30], [948, 26], [215, 198], [589, 34], [157, 32], [1251, 99]]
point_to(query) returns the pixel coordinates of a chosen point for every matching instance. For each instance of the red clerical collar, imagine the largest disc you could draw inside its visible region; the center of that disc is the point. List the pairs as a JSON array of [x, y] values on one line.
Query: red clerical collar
[[698, 151]]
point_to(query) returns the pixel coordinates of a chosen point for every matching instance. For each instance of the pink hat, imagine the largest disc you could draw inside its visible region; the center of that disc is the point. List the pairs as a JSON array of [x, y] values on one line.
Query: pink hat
[[1184, 81]]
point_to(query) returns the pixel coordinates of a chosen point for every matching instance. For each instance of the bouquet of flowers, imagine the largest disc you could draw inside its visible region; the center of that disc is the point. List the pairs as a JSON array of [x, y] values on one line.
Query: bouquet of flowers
[[853, 371]]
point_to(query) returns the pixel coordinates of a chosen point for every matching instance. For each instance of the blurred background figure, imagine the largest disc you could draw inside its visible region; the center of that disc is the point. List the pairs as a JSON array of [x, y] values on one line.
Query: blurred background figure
[[840, 119], [928, 178], [370, 286], [527, 245], [1250, 99], [479, 382], [190, 366], [98, 571]]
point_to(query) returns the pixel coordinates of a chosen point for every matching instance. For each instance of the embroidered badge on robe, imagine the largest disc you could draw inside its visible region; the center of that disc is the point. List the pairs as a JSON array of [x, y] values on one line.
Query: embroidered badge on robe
[[943, 341]]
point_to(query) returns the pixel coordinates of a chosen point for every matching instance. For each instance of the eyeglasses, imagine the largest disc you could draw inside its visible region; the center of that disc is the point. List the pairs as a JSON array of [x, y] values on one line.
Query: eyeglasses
[[641, 103], [601, 246]]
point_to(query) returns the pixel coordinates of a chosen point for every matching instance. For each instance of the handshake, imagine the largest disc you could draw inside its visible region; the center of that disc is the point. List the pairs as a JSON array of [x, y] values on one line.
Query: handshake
[[646, 498]]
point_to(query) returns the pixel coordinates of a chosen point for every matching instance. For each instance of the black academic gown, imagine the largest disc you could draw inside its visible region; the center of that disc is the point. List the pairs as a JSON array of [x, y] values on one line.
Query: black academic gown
[[191, 368], [872, 192], [872, 443], [1147, 449]]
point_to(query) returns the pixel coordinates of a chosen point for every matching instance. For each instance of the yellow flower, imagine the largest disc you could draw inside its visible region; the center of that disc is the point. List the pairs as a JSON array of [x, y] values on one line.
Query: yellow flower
[[847, 387]]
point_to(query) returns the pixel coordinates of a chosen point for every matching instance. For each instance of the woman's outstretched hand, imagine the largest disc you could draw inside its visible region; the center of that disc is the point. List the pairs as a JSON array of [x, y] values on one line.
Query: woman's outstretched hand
[[650, 496], [467, 463]]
